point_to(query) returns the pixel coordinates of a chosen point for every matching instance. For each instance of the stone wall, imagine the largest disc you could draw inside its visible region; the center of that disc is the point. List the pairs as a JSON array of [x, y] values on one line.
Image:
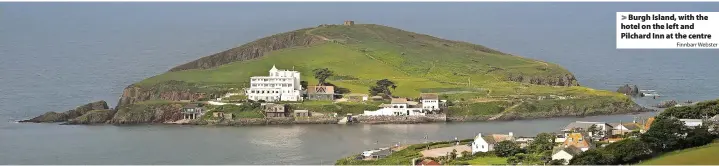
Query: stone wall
[[401, 119]]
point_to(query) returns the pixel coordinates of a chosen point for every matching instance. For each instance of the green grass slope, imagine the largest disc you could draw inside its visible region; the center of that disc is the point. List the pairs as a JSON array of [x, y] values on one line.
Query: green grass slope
[[703, 155], [361, 54], [364, 53]]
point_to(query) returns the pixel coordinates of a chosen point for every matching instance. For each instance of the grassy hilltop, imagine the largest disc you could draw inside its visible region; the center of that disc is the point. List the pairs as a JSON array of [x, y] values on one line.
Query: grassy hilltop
[[361, 54]]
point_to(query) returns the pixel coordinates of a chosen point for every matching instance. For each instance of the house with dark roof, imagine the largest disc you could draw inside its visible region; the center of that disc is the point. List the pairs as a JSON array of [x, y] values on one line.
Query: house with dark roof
[[321, 92], [486, 143], [565, 153], [275, 110], [191, 111]]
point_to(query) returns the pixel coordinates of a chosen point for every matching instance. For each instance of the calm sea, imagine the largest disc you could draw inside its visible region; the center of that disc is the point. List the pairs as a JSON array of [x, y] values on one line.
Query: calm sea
[[56, 56]]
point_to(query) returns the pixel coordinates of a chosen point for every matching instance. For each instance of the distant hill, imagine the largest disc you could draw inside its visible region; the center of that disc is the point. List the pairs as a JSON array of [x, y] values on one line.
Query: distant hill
[[361, 54]]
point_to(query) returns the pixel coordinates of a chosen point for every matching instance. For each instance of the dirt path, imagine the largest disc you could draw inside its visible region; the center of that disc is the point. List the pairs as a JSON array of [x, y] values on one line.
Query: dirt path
[[505, 111]]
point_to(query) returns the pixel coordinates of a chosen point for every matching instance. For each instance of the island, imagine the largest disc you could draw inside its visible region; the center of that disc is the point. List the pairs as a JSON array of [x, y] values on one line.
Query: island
[[352, 73]]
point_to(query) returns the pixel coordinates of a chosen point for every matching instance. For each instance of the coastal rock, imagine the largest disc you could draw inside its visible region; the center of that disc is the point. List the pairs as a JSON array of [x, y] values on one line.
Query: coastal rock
[[52, 117], [147, 113], [631, 90], [667, 104], [92, 117], [169, 90]]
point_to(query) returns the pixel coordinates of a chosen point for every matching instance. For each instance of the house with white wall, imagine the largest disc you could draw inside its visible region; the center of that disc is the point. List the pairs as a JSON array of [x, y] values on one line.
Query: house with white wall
[[280, 85], [486, 143], [430, 101], [398, 107], [692, 122], [565, 153]]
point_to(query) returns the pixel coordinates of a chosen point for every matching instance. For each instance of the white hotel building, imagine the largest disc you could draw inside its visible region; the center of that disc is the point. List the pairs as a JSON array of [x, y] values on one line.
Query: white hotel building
[[281, 85]]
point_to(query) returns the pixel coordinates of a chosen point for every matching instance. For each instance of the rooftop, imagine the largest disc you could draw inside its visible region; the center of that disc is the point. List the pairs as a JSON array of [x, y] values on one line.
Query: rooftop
[[429, 96], [569, 149], [578, 140], [399, 101], [321, 89]]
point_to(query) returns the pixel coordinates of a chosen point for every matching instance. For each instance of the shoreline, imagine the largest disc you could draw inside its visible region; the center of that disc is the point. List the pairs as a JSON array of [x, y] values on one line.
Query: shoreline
[[242, 122]]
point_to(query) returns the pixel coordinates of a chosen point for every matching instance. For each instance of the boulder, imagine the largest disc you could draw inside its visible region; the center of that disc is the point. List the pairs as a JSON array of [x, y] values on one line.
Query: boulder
[[666, 104], [92, 117], [631, 90]]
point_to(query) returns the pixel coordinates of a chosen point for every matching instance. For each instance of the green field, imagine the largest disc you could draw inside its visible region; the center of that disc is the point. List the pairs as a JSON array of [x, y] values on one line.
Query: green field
[[361, 54], [364, 53], [703, 155]]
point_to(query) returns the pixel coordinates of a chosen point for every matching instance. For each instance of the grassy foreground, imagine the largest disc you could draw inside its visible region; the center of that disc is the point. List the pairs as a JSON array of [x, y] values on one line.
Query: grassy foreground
[[703, 155]]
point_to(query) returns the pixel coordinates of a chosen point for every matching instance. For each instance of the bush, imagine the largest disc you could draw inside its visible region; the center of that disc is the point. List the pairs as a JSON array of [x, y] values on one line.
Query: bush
[[506, 149], [629, 151], [592, 157]]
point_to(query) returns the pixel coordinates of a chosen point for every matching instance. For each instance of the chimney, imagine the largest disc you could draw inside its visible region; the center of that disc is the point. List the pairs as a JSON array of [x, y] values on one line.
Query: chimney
[[479, 135]]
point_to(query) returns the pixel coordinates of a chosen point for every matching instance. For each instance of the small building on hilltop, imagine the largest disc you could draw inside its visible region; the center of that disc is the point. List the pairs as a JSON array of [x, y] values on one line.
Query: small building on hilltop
[[275, 110], [191, 111], [486, 143], [349, 22], [321, 92]]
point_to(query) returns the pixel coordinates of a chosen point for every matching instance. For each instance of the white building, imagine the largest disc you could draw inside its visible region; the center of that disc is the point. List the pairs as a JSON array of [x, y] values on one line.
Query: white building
[[398, 107], [430, 101], [692, 122], [565, 153], [280, 85], [487, 143]]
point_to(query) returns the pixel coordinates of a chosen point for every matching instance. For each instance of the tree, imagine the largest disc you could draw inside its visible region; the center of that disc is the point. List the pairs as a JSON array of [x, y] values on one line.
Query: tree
[[466, 154], [628, 151], [382, 86], [303, 84], [453, 154], [543, 142], [557, 162], [665, 134], [594, 129], [697, 137], [592, 157], [506, 148], [321, 74]]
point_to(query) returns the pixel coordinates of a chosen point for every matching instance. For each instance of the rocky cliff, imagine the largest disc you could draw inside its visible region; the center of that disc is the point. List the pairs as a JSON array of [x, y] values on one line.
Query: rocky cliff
[[52, 117], [571, 107], [170, 91], [92, 117], [147, 113], [254, 49]]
